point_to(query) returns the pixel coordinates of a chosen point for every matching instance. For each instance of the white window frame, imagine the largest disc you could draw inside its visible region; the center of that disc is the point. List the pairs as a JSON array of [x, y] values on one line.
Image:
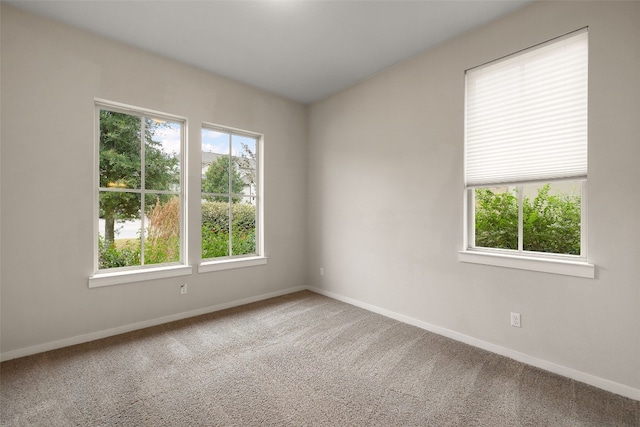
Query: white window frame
[[121, 275], [572, 265], [240, 261]]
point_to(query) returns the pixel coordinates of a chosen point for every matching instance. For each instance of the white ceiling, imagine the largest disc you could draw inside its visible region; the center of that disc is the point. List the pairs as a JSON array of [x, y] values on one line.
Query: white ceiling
[[302, 50]]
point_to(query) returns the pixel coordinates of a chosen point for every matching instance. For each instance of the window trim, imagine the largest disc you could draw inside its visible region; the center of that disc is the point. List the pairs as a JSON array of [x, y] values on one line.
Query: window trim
[[229, 263], [238, 261], [121, 275], [572, 265], [555, 265]]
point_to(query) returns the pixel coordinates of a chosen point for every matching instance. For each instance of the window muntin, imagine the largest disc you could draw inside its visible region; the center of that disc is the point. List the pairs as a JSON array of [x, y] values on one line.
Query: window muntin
[[526, 151], [140, 198], [230, 192]]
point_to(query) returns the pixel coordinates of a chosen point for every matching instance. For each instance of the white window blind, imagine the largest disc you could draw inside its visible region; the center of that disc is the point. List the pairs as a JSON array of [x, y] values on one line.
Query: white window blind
[[526, 115]]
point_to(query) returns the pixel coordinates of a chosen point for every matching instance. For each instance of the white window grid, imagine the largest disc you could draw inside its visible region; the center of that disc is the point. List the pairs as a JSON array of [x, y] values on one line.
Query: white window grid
[[256, 196], [142, 113]]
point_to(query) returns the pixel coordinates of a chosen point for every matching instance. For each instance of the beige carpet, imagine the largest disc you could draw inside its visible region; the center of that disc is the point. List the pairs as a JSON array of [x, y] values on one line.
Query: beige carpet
[[298, 360]]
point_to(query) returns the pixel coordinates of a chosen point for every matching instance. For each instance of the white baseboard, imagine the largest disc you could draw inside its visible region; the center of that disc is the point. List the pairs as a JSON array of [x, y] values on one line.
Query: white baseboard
[[613, 387], [593, 380], [79, 339]]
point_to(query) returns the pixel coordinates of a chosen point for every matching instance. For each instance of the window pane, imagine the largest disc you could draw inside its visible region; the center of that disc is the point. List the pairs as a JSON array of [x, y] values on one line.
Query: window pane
[[215, 227], [119, 226], [496, 217], [162, 241], [551, 217], [244, 155], [215, 161], [243, 227], [162, 155], [120, 165]]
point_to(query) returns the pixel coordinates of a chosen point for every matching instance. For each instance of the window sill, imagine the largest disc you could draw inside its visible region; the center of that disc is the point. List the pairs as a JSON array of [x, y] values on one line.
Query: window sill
[[229, 264], [546, 265], [129, 276]]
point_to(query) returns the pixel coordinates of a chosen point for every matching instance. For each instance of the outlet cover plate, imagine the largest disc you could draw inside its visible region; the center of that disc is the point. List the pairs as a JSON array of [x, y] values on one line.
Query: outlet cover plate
[[515, 320]]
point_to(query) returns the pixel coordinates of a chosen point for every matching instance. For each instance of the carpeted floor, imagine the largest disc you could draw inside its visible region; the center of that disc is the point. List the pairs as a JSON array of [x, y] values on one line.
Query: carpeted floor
[[297, 360]]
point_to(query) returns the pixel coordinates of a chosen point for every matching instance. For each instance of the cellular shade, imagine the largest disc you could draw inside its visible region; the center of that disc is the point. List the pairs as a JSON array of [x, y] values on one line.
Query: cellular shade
[[526, 115]]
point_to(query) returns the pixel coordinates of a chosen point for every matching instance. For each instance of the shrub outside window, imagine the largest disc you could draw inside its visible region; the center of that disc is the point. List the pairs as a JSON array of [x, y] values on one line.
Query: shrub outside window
[[140, 196], [229, 194], [544, 218]]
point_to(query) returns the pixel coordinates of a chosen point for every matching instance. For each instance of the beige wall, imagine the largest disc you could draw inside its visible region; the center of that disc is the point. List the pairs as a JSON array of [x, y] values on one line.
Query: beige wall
[[50, 77], [386, 159]]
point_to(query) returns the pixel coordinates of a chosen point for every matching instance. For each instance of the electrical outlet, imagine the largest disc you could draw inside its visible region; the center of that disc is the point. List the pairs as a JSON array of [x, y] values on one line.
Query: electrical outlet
[[183, 289], [515, 320], [321, 271]]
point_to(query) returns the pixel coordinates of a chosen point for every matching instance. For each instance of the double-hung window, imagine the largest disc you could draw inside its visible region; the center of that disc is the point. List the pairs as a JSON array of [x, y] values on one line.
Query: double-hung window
[[230, 198], [526, 159], [140, 202]]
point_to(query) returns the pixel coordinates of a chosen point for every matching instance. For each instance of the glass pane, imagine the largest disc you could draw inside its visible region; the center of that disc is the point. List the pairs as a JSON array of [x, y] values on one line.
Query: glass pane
[[162, 241], [243, 227], [244, 174], [119, 229], [215, 161], [551, 217], [496, 217], [120, 165], [163, 140], [215, 227]]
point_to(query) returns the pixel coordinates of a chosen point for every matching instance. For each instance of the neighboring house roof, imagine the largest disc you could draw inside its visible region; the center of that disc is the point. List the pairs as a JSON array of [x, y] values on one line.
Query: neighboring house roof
[[208, 158]]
